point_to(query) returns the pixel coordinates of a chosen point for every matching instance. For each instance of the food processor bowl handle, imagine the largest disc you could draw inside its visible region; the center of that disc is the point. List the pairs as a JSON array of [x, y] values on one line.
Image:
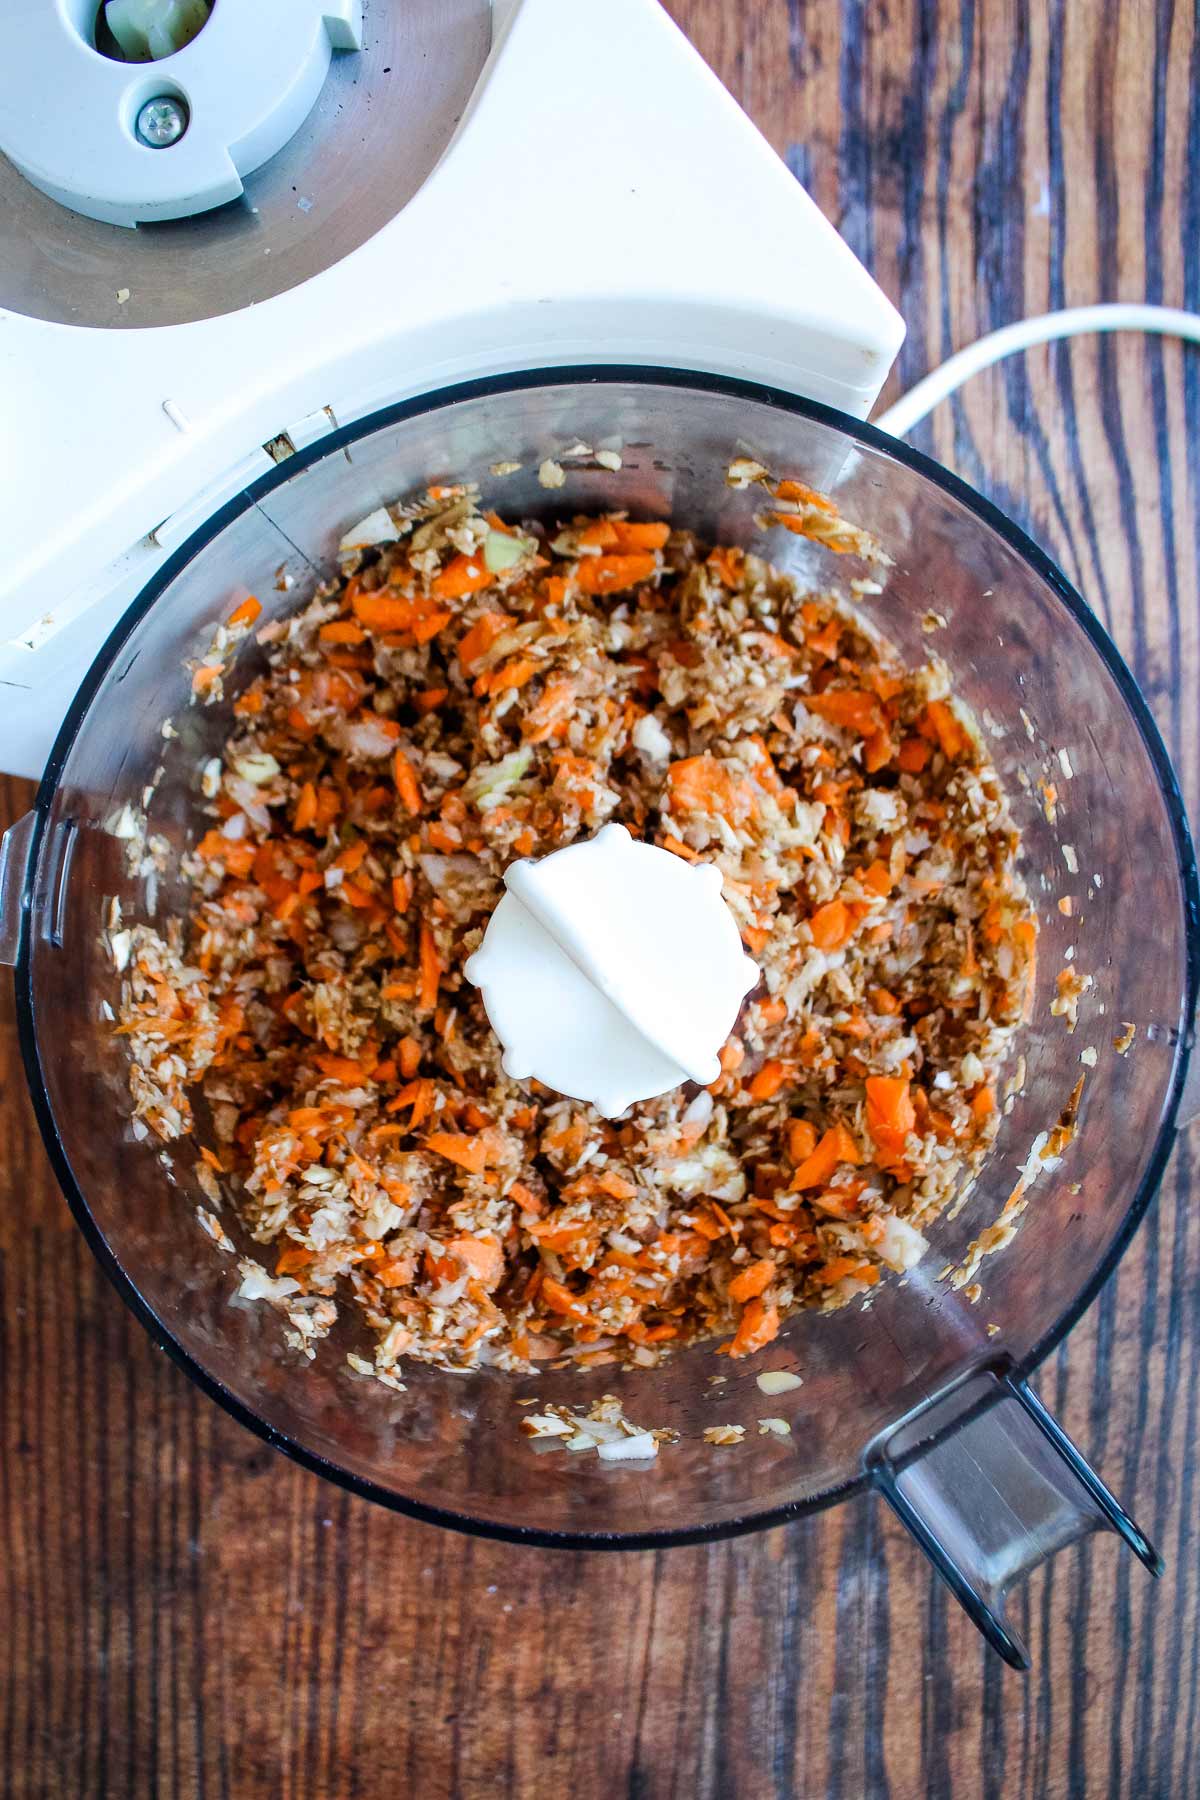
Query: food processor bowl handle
[[15, 847], [990, 1486]]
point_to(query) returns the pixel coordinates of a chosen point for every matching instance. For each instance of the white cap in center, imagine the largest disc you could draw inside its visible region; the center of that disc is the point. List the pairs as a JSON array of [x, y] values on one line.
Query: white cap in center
[[612, 971]]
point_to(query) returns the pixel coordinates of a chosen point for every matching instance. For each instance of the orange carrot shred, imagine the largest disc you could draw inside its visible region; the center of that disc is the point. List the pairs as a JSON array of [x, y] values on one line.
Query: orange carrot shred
[[431, 969], [758, 1325], [463, 575], [407, 785], [752, 1280], [608, 574], [836, 1147], [890, 1111], [832, 925], [768, 1081], [246, 613], [457, 1147]]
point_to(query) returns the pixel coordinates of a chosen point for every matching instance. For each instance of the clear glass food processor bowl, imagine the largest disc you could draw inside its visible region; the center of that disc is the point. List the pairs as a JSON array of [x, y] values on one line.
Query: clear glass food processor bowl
[[1057, 705]]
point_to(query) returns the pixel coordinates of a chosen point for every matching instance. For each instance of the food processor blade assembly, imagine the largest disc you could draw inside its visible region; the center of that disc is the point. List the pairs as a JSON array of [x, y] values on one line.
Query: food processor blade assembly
[[295, 247]]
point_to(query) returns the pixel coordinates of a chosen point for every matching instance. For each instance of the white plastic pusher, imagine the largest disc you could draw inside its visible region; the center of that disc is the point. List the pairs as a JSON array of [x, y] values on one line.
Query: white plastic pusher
[[612, 971]]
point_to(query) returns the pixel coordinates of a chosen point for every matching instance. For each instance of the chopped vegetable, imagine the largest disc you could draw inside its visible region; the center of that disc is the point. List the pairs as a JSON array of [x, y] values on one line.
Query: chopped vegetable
[[890, 1112], [467, 693]]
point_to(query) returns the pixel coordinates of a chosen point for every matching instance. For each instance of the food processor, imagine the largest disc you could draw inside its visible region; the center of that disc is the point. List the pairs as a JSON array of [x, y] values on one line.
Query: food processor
[[554, 282]]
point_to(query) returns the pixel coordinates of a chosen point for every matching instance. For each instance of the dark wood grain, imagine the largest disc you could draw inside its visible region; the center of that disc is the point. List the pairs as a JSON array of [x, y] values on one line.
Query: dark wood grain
[[183, 1613]]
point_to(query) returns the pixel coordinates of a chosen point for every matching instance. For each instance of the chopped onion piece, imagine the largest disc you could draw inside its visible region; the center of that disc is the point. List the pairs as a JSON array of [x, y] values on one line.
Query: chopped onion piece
[[902, 1246], [698, 1112], [650, 738], [777, 1381], [376, 528], [258, 1285], [257, 767], [504, 550], [637, 1448]]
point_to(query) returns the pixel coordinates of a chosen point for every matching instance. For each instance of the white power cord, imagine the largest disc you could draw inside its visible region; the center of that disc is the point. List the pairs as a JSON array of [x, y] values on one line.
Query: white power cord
[[1167, 321]]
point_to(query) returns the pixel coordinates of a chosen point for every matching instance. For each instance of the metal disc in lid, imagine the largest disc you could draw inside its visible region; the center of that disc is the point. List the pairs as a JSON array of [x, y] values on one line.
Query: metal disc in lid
[[379, 126]]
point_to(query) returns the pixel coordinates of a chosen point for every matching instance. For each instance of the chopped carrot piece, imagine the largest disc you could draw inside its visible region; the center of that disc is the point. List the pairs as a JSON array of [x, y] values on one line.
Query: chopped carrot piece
[[758, 1325], [560, 1299], [826, 641], [427, 626], [852, 708], [878, 751], [983, 1104], [752, 1280], [838, 1268], [832, 925], [407, 785], [431, 969], [608, 574], [615, 1186], [475, 643], [948, 729], [396, 1271], [877, 878], [912, 755], [552, 710], [796, 490], [352, 857], [835, 1148], [482, 1256], [728, 562], [441, 837], [383, 611], [246, 613], [462, 575], [292, 1260], [306, 808], [768, 1081], [466, 1152], [801, 1139], [702, 784], [342, 631], [628, 536], [890, 1112], [512, 675]]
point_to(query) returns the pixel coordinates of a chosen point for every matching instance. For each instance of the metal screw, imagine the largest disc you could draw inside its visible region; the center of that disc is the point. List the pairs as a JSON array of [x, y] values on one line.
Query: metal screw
[[161, 122]]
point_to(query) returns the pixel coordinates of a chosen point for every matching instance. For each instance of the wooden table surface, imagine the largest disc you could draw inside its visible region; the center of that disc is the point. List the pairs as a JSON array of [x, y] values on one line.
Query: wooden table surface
[[183, 1612]]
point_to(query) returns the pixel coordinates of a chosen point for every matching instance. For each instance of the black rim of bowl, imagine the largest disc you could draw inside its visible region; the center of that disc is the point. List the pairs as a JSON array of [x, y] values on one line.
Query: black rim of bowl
[[437, 400]]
